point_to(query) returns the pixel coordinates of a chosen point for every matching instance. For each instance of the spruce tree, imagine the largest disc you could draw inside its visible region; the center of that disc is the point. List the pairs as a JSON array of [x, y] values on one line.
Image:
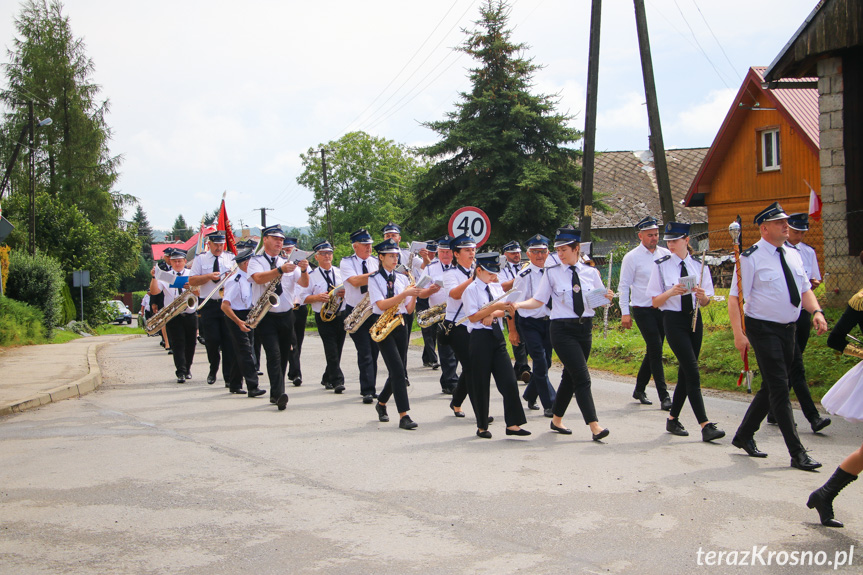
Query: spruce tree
[[503, 149], [144, 232]]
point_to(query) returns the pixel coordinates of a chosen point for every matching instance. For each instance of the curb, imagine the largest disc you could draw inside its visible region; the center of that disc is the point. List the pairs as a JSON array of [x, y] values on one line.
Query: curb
[[77, 388]]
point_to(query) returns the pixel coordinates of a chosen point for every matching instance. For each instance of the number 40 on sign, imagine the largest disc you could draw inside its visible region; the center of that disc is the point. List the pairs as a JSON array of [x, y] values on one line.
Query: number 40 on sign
[[471, 221]]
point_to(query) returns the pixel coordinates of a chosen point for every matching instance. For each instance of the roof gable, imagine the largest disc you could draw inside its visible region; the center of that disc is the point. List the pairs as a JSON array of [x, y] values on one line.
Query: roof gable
[[799, 106]]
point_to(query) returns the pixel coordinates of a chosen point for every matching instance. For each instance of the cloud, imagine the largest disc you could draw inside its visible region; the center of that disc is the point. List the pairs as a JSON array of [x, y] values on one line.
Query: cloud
[[631, 113], [702, 120]]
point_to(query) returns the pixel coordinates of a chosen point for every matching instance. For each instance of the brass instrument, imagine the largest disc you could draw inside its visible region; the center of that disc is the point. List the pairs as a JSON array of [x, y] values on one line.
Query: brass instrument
[[268, 300], [358, 315], [391, 318], [186, 300], [331, 308], [431, 316]]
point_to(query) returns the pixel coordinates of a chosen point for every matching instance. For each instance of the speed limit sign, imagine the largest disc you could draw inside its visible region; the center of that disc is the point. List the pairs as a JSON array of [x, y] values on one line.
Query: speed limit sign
[[471, 221]]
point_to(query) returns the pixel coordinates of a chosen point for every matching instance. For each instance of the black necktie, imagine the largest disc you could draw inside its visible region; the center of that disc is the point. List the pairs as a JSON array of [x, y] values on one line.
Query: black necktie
[[577, 299], [365, 288], [330, 283], [548, 303], [685, 299], [789, 279], [391, 284], [272, 267], [216, 265]]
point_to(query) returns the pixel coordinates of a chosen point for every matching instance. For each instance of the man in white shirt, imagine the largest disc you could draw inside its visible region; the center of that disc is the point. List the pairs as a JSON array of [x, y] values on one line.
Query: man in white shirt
[[636, 304]]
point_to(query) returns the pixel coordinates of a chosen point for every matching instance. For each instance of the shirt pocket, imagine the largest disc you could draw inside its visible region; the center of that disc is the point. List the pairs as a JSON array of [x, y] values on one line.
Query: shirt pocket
[[772, 281]]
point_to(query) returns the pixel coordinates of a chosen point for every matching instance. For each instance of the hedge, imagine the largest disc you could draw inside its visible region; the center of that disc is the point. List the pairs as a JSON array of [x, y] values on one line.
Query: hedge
[[20, 324], [37, 281]]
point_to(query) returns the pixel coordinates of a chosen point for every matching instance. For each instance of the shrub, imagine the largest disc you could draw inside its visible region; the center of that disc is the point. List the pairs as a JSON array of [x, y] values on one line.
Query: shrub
[[137, 296], [38, 281], [20, 324], [69, 311]]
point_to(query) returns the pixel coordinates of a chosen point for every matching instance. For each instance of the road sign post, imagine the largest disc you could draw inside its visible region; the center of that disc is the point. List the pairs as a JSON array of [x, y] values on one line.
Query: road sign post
[[81, 279]]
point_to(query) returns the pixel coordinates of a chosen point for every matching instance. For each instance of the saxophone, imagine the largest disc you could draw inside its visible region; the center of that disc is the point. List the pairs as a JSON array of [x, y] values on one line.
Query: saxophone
[[330, 309], [268, 300], [179, 305], [391, 318], [432, 315], [359, 315]]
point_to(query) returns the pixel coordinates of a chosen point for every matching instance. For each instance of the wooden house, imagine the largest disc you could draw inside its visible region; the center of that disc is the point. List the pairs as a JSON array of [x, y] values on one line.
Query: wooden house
[[765, 151]]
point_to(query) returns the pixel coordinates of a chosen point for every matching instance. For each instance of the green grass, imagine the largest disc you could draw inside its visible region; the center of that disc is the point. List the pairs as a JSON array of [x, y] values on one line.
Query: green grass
[[111, 329], [61, 336]]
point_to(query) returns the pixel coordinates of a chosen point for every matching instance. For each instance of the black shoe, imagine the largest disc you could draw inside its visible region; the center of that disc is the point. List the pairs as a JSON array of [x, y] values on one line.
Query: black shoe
[[519, 431], [427, 364], [804, 462], [298, 381], [457, 413], [407, 423], [368, 399], [382, 413], [328, 386], [338, 388], [162, 343], [239, 391], [407, 382], [601, 435], [822, 498], [188, 375], [490, 419], [201, 339], [666, 404], [170, 351], [748, 445], [447, 390], [211, 379], [257, 392], [484, 434], [525, 376], [532, 405], [282, 402], [771, 419], [181, 379], [710, 432], [435, 365], [273, 400], [260, 373], [548, 412], [642, 397], [563, 430], [674, 427], [820, 424]]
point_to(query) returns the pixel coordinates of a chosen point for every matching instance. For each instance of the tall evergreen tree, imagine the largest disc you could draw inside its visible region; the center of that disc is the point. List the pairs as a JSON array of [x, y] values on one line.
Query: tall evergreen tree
[[503, 148], [181, 230], [144, 232]]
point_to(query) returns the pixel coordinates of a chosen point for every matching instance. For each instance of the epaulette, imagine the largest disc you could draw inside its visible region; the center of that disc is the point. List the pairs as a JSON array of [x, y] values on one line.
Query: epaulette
[[524, 272], [749, 251], [350, 256], [554, 266], [662, 259], [237, 278]]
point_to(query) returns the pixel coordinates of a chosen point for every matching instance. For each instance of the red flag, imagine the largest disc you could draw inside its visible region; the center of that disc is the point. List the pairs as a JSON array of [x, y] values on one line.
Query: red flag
[[814, 203], [224, 224]]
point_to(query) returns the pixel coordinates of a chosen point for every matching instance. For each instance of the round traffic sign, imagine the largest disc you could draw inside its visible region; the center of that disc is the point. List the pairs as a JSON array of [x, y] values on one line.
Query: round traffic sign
[[471, 221]]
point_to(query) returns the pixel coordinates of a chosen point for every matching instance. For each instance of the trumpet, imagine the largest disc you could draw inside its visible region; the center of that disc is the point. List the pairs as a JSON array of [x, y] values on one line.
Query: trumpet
[[431, 316], [181, 303], [331, 308]]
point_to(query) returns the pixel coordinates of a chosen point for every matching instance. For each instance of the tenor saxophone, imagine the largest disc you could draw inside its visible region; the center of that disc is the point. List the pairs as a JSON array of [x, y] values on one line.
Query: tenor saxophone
[[391, 318], [358, 315], [267, 301], [180, 304], [431, 316]]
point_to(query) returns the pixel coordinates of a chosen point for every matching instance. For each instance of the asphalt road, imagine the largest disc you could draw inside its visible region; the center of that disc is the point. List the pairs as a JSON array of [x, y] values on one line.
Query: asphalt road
[[148, 476]]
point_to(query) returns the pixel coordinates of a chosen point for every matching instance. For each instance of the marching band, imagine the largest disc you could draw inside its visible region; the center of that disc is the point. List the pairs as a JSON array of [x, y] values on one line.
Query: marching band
[[547, 303]]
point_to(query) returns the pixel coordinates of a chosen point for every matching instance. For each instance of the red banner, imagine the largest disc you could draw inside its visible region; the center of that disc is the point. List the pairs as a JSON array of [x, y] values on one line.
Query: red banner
[[224, 224]]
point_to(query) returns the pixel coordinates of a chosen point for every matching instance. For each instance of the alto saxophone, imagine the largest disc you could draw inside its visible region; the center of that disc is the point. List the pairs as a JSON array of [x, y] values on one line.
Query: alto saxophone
[[330, 309], [358, 315], [391, 318], [181, 303], [431, 316], [268, 300]]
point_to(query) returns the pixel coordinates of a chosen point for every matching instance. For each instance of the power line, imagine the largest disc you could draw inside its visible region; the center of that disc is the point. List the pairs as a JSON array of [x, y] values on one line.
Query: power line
[[694, 37], [727, 59]]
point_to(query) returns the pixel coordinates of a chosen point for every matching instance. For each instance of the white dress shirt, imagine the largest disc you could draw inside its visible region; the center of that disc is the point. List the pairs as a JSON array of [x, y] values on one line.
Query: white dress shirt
[[810, 261], [764, 289], [556, 284], [318, 285], [172, 293], [353, 266], [453, 278], [634, 274], [238, 291], [435, 270], [378, 290], [261, 263], [527, 281], [476, 296], [203, 265], [666, 274]]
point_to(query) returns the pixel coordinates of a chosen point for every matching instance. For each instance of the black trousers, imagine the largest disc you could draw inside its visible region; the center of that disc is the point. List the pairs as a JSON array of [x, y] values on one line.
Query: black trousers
[[367, 354], [448, 361], [217, 339], [650, 324], [429, 335], [276, 332], [409, 323], [333, 337], [181, 335], [243, 366], [393, 351], [797, 373], [537, 338], [686, 346], [460, 340], [300, 315], [488, 356], [773, 344], [572, 342]]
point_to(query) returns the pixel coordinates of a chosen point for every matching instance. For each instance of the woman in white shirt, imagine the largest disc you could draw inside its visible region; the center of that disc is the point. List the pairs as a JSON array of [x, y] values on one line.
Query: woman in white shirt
[[677, 301]]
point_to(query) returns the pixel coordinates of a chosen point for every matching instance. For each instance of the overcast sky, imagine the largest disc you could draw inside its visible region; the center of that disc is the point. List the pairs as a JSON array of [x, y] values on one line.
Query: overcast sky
[[212, 96]]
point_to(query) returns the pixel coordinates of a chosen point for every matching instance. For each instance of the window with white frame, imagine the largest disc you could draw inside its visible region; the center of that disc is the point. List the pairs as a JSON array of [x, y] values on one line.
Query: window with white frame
[[770, 158]]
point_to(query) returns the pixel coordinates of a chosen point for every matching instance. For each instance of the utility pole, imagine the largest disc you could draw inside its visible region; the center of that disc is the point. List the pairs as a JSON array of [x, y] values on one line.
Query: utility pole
[[666, 203], [586, 212], [327, 195], [264, 216], [32, 169]]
